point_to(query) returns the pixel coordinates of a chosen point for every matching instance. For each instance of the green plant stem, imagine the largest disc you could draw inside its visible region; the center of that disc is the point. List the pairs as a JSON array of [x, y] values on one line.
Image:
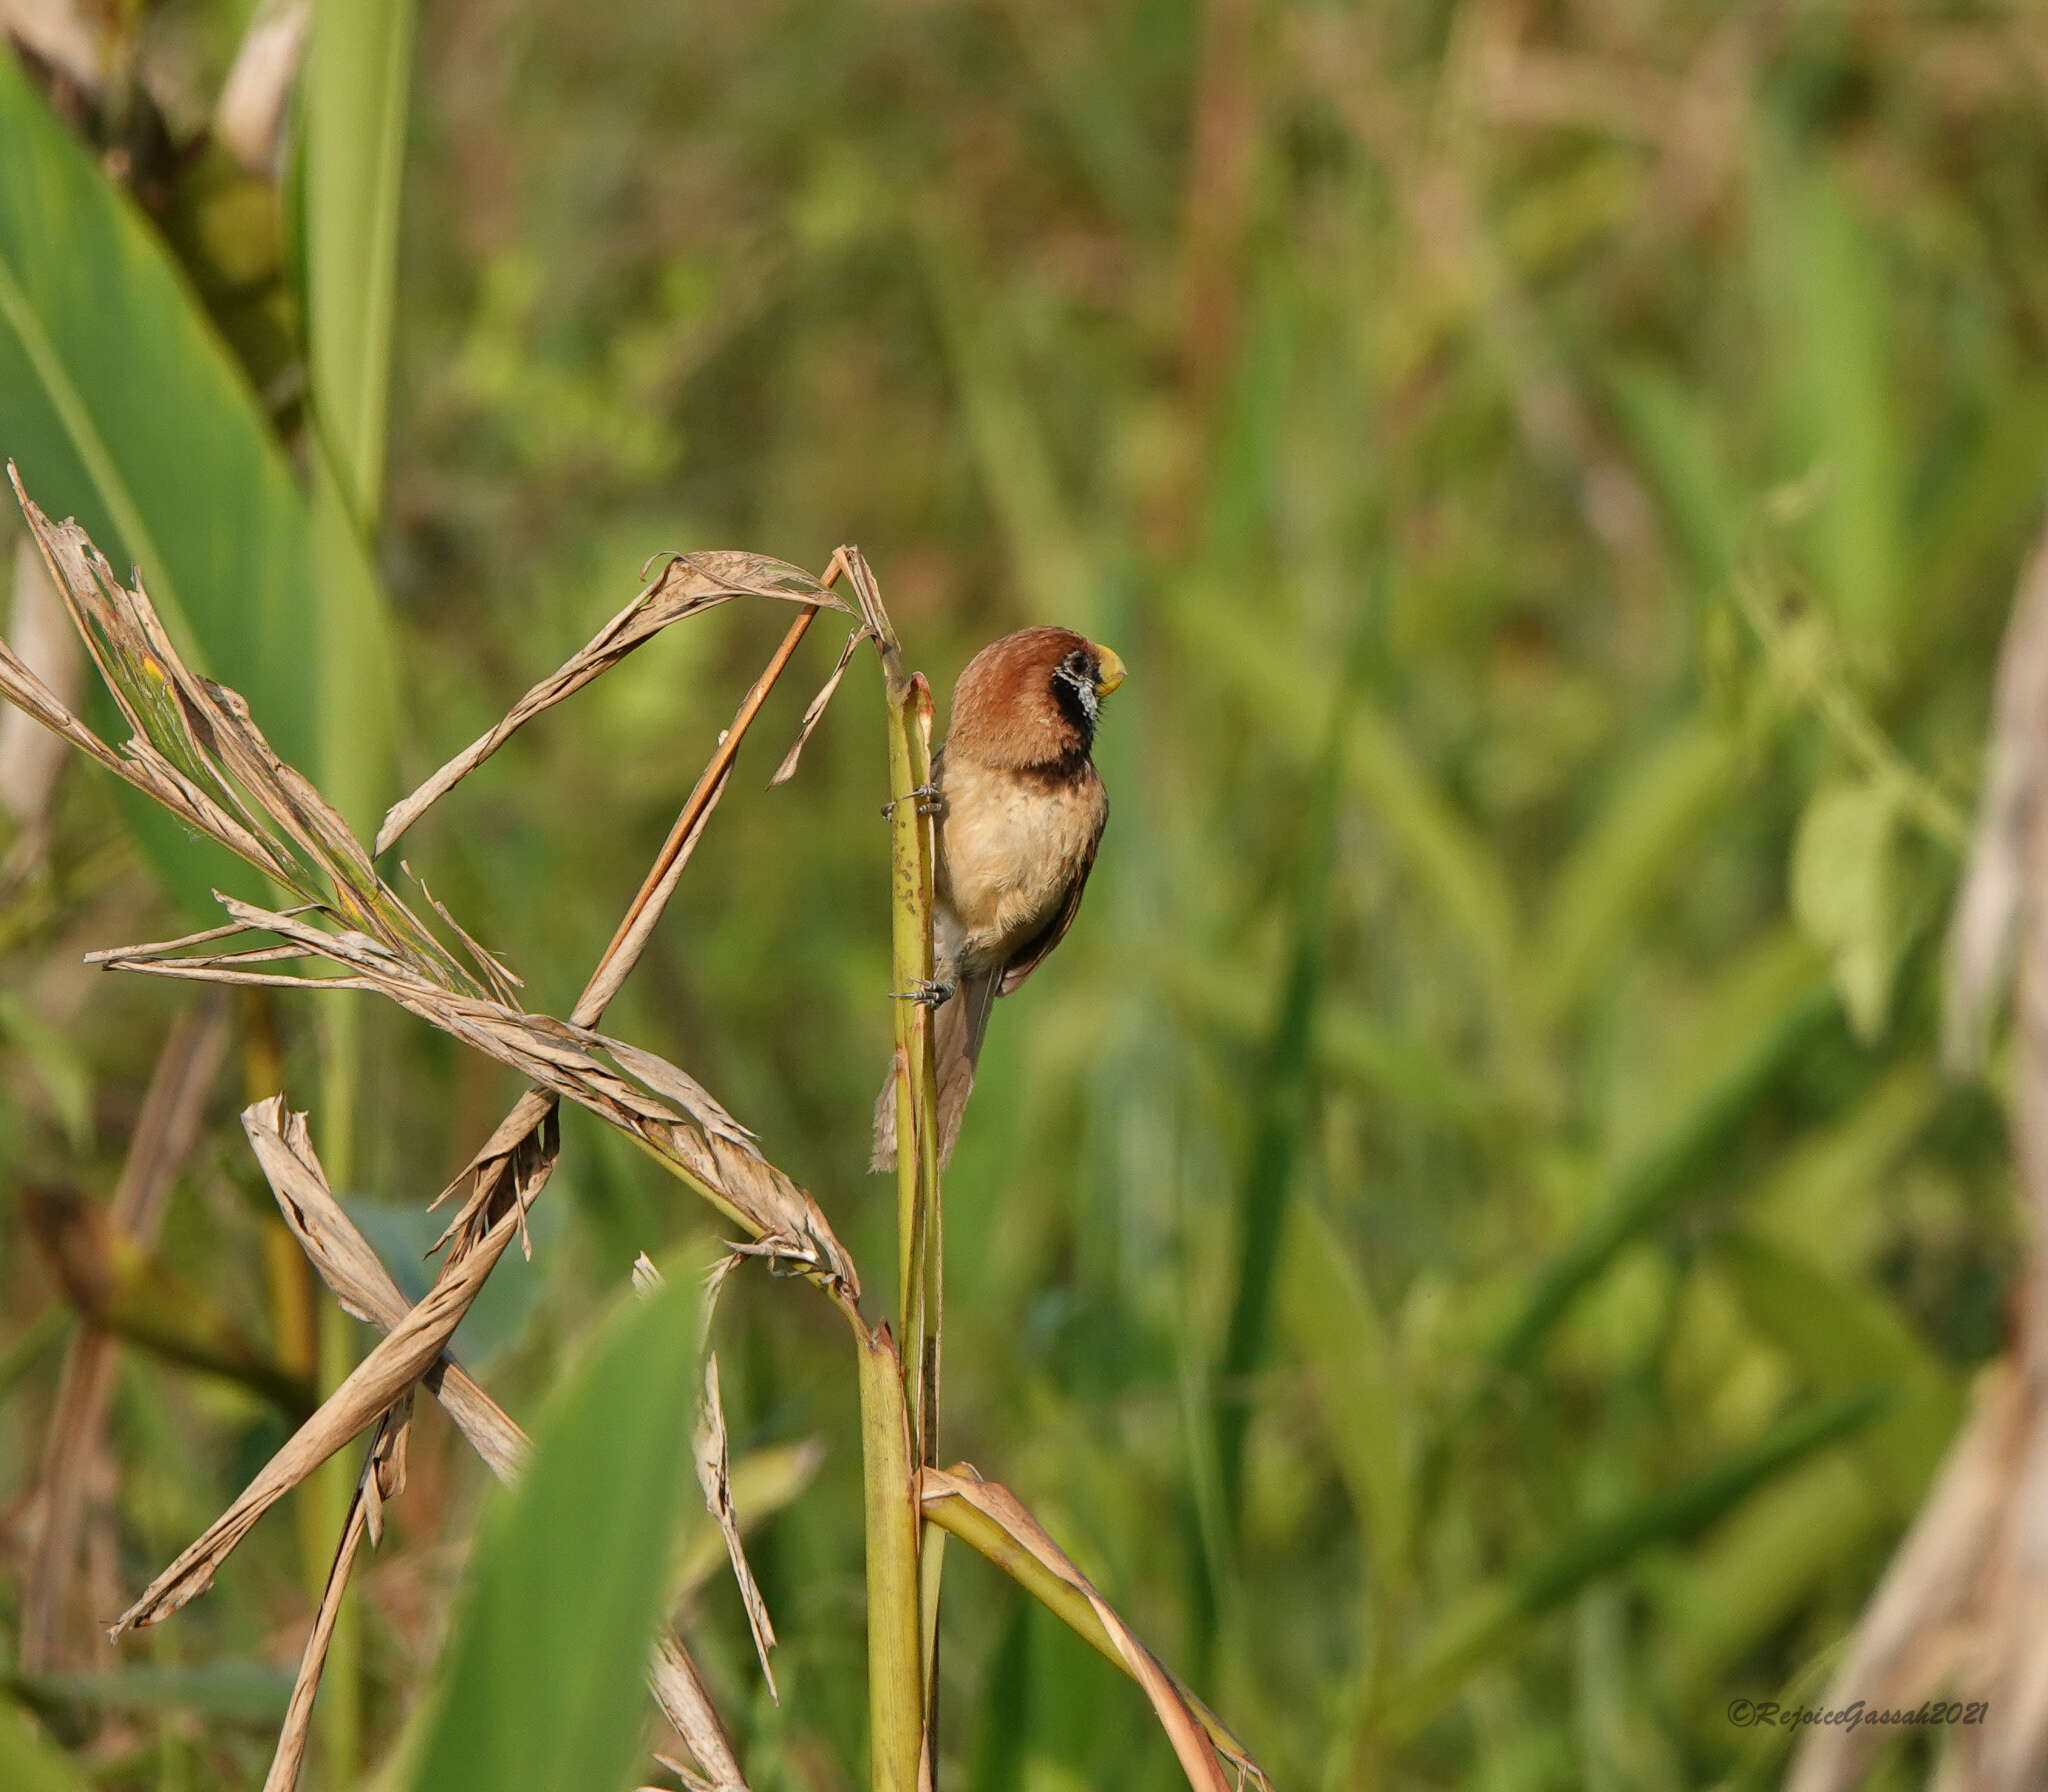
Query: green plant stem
[[913, 861], [895, 1655], [331, 1489], [912, 857]]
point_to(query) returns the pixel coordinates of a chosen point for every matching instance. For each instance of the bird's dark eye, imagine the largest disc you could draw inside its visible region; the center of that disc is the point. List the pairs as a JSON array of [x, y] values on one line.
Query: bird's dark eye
[[1077, 662]]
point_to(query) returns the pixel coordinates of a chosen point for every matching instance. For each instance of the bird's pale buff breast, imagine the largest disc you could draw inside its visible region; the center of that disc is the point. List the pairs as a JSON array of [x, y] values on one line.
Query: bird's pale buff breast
[[1009, 859]]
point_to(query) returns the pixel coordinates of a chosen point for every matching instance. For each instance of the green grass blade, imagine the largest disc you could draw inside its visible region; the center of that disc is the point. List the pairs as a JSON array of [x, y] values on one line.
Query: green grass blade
[[1336, 1330], [544, 1673], [358, 79], [1633, 849], [1750, 1053], [1491, 1620], [1280, 1116]]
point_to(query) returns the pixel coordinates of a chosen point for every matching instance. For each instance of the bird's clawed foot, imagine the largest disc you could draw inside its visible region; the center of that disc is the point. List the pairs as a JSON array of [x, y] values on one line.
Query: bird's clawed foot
[[927, 796], [932, 995]]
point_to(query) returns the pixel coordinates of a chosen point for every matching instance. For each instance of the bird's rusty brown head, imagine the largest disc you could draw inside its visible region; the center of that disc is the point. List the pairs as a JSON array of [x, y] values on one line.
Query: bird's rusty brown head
[[1032, 698]]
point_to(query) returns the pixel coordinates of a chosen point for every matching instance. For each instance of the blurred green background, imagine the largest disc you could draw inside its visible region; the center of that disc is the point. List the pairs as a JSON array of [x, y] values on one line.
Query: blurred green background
[[1468, 1243]]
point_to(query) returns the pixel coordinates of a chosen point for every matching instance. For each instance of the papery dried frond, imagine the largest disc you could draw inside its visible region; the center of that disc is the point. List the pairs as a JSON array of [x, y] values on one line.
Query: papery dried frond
[[196, 750], [688, 585], [994, 1521], [359, 1280], [661, 1106]]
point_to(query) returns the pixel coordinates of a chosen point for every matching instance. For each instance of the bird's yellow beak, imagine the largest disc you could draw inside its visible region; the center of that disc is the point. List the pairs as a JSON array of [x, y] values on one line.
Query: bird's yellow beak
[[1112, 671]]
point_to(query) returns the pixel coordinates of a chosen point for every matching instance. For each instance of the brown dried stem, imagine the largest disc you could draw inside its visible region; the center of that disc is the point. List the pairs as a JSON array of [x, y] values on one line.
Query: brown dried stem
[[1960, 1607], [165, 1132]]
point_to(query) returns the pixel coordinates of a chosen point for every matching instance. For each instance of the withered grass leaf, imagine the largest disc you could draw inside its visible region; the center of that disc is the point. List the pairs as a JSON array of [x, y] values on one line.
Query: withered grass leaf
[[196, 749], [350, 1267], [382, 1478], [688, 585], [814, 711], [957, 1497], [1993, 895], [714, 1475], [345, 1261], [663, 1108], [378, 1382]]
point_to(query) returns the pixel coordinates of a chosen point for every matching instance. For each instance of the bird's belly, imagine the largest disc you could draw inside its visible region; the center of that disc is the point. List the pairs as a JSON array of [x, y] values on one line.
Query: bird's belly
[[1009, 848]]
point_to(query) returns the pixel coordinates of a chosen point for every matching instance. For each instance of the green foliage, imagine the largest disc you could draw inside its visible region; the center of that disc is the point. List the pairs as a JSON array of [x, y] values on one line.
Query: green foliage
[[1664, 401], [542, 1679]]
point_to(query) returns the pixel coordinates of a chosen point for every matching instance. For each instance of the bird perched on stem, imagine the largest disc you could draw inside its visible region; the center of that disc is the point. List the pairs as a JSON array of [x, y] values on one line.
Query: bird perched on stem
[[1020, 811]]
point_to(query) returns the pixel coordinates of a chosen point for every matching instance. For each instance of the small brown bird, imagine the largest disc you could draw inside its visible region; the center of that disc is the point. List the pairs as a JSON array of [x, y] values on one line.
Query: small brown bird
[[1021, 809]]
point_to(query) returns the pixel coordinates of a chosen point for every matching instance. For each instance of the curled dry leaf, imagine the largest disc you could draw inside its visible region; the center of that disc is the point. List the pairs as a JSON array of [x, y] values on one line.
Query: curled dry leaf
[[352, 1269], [196, 750], [357, 1276], [382, 1477], [714, 1475], [714, 1471], [659, 1105], [379, 1381], [814, 712], [686, 586], [994, 1521]]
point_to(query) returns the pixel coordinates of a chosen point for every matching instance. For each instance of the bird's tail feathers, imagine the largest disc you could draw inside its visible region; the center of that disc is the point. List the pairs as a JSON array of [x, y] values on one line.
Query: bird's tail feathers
[[958, 1028]]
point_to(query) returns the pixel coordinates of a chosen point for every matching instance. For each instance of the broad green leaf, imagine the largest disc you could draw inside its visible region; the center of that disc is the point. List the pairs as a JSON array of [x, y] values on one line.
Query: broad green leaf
[[543, 1682], [123, 407], [358, 76], [1844, 894]]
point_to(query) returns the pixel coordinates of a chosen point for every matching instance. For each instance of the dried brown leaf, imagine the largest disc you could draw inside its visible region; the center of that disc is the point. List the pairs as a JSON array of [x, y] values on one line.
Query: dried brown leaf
[[197, 750], [955, 1498], [688, 585], [814, 712], [360, 1282], [378, 1382], [365, 1288], [1990, 904], [660, 1105], [382, 1478], [714, 1475]]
